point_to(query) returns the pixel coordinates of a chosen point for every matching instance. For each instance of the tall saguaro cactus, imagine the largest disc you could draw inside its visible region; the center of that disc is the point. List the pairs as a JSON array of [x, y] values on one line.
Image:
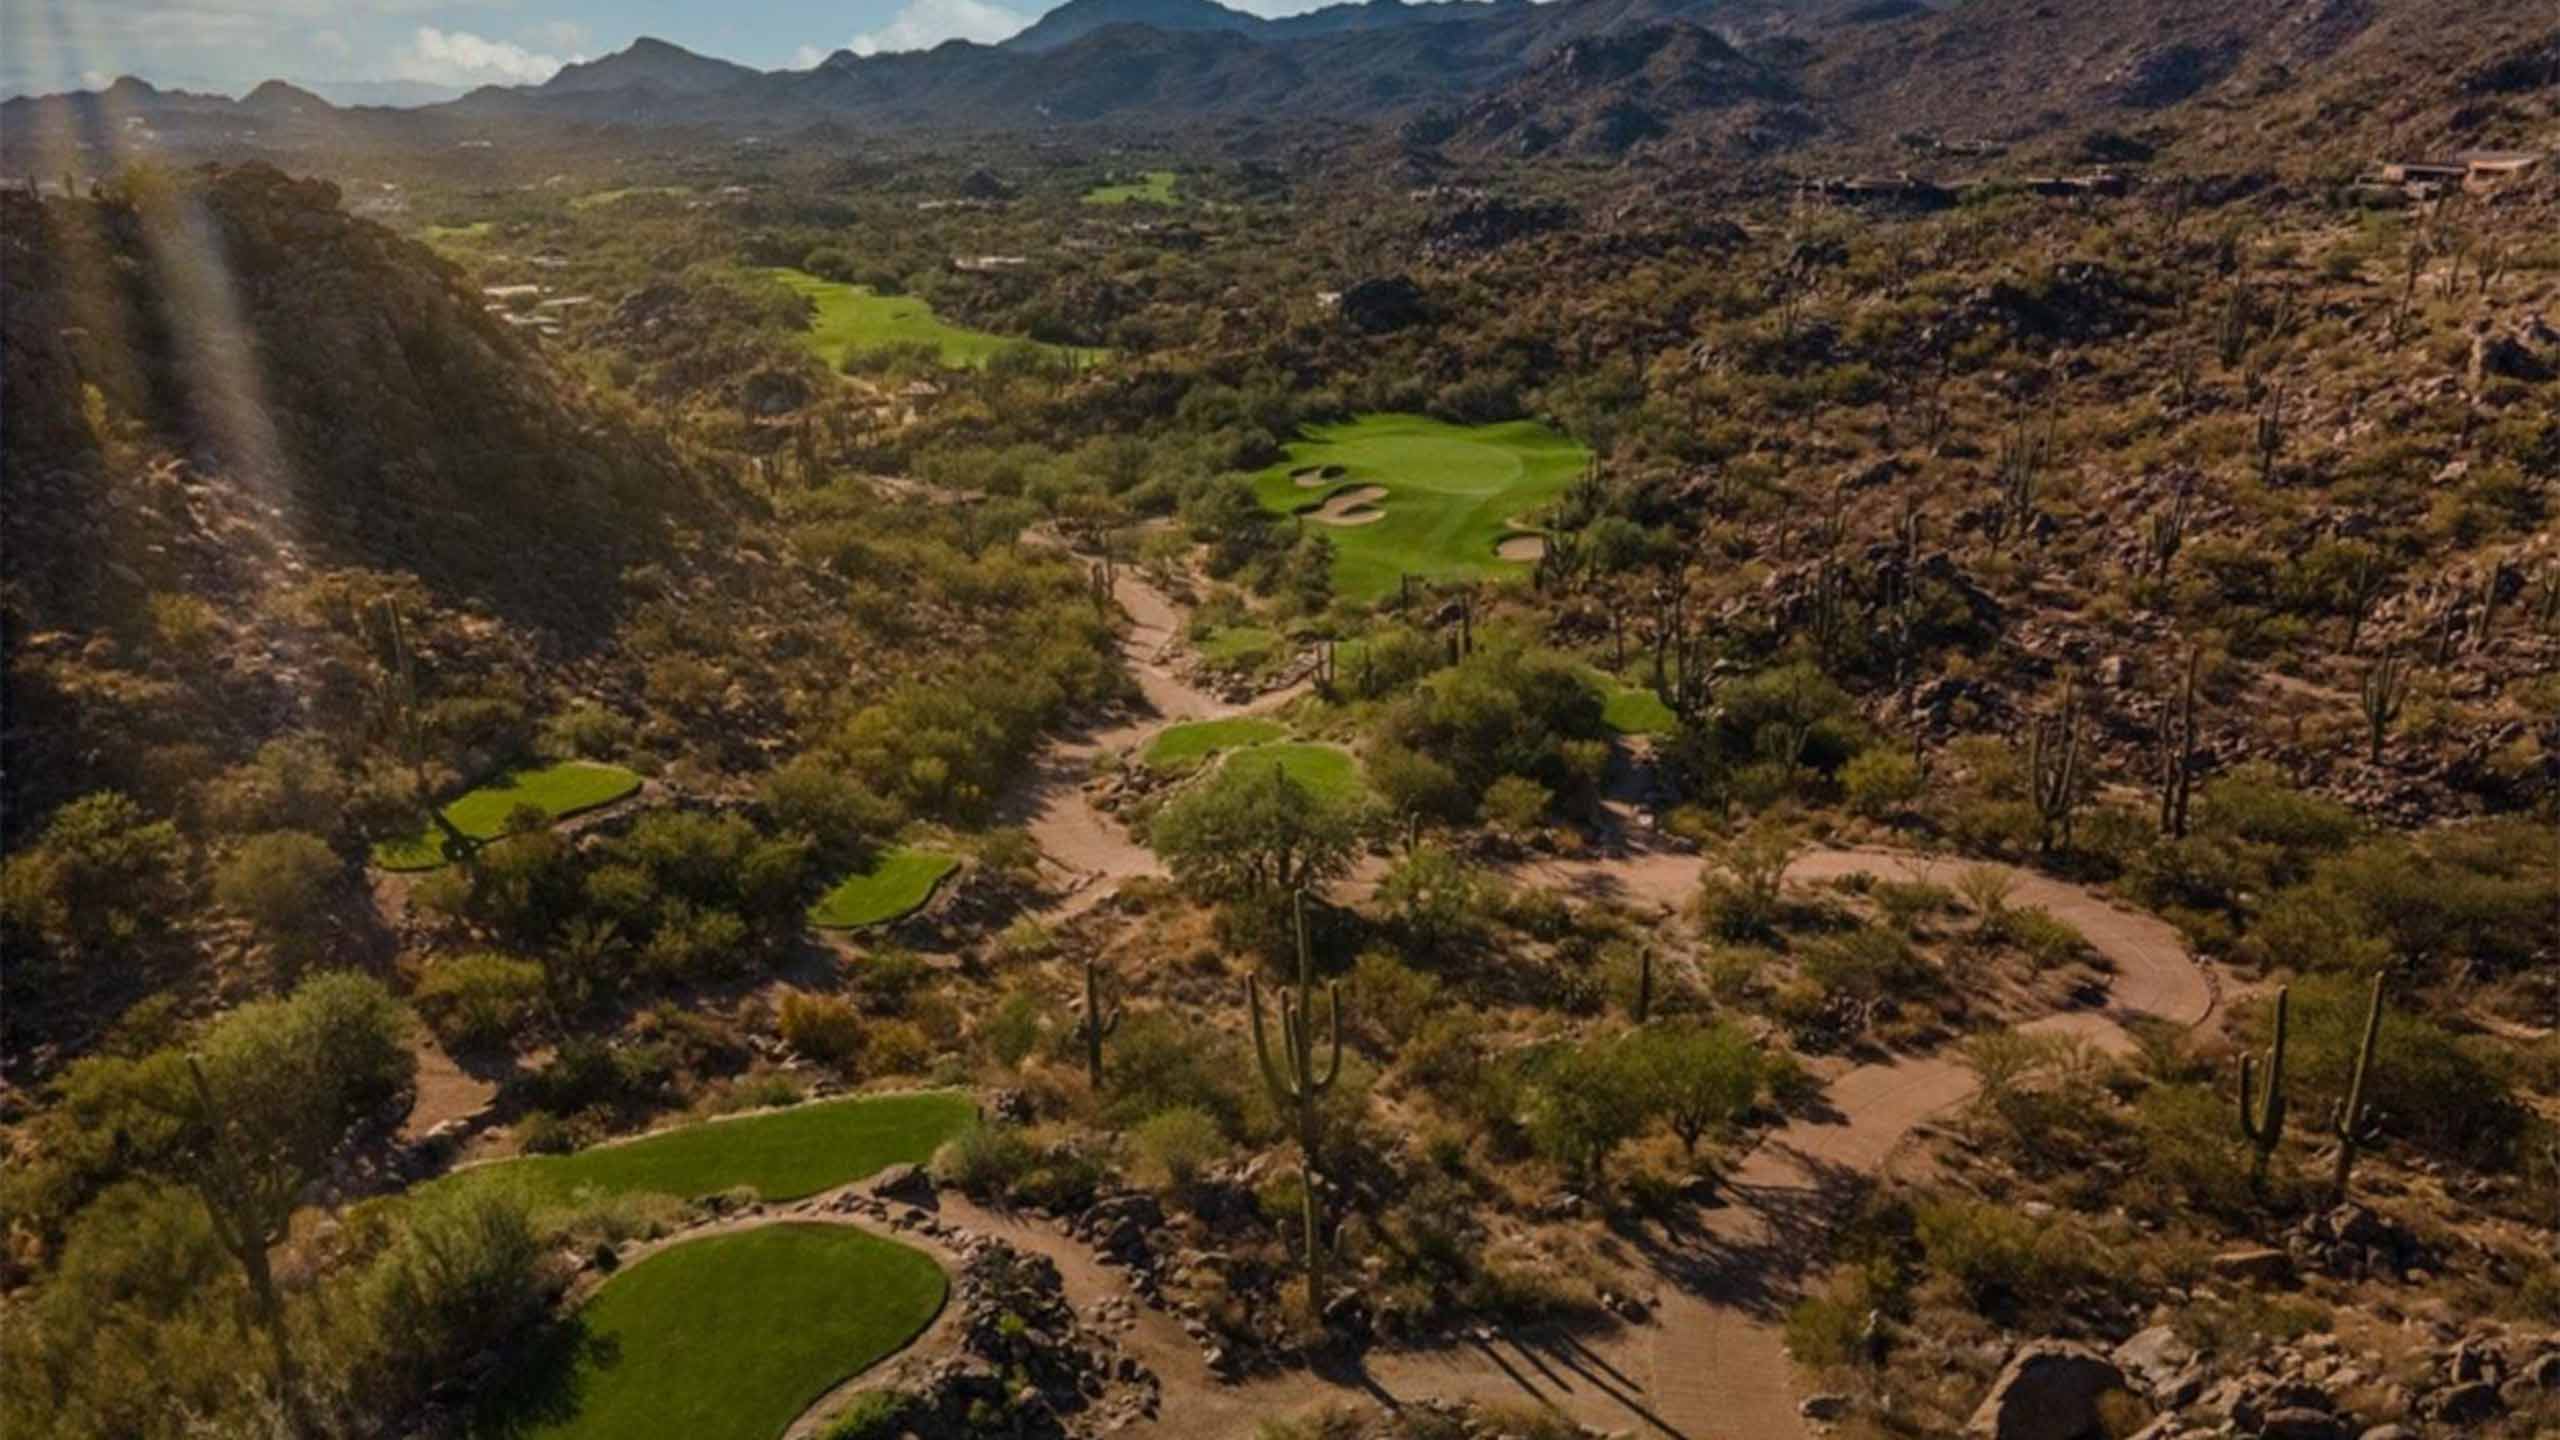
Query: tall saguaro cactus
[[2053, 767], [1295, 1082], [2386, 689], [2178, 752], [2262, 1108], [2351, 1123], [1096, 1026]]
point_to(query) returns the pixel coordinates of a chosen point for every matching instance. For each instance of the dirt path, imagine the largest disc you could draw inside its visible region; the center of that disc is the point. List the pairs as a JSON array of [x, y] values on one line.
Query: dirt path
[[1089, 845]]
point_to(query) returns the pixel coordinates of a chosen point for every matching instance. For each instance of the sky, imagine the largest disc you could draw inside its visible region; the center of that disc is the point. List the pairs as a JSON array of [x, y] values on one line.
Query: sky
[[231, 45]]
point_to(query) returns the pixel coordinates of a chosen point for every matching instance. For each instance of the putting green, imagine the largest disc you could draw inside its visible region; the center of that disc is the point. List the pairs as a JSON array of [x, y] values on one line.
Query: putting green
[[783, 1154], [897, 882], [570, 788], [850, 318], [1203, 738], [1633, 709], [1155, 187], [725, 1338], [1448, 494], [1328, 770]]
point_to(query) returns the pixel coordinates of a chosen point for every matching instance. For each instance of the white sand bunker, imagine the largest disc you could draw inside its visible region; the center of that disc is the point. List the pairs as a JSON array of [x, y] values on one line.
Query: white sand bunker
[[1357, 506], [1313, 477], [1522, 547]]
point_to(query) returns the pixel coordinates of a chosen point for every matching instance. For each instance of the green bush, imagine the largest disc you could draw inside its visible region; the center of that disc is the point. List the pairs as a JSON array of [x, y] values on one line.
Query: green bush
[[480, 999], [1013, 1030], [1180, 1144], [2192, 1150], [279, 882], [825, 1028], [985, 1160], [1881, 782], [1995, 1256]]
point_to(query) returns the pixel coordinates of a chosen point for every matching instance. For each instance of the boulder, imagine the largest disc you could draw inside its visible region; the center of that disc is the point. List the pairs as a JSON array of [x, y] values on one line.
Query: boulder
[[2153, 1358], [1824, 1407], [2301, 1423], [2467, 1404], [906, 1183], [2048, 1391]]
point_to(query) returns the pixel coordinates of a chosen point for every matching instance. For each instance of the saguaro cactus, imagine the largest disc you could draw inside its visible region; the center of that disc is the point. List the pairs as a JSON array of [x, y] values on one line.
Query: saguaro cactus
[[2053, 767], [2386, 689], [2262, 1108], [1097, 1025], [1644, 984], [2350, 1123], [1295, 1082], [2178, 752]]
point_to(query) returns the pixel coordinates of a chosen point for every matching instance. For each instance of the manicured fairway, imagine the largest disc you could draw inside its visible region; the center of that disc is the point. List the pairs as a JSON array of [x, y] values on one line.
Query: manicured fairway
[[784, 1154], [1190, 742], [562, 790], [1328, 770], [725, 1338], [851, 318], [1452, 492], [1155, 187], [609, 197], [897, 882]]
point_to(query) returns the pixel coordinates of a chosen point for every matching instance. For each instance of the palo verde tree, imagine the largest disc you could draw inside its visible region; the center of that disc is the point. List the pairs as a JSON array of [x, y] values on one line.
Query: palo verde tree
[[256, 1110], [1297, 1083], [1254, 833]]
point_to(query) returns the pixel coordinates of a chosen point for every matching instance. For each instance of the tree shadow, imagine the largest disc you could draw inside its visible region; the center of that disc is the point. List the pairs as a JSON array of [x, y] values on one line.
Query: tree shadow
[[549, 1382]]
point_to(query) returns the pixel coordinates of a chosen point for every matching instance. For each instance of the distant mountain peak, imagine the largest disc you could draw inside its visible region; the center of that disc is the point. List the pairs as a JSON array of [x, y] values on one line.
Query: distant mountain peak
[[652, 62], [1078, 18]]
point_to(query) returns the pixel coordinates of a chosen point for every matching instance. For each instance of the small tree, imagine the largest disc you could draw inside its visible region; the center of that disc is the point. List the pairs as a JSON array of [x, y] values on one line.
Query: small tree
[[1699, 1077], [280, 882], [1515, 805], [1254, 832], [1590, 1099]]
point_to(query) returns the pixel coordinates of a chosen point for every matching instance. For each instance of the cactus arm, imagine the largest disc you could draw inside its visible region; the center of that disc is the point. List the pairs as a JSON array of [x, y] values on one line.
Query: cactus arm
[[1261, 1047], [1333, 1067]]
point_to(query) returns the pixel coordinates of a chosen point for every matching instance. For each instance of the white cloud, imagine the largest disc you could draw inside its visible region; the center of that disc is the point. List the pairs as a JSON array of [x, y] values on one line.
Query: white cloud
[[567, 35], [807, 57], [331, 43], [924, 24], [458, 57]]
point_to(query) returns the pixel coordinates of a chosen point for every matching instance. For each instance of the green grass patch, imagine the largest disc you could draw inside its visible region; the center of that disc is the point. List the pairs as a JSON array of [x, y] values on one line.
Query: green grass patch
[[1155, 187], [1633, 709], [1332, 772], [464, 235], [610, 197], [851, 318], [1239, 647], [783, 1154], [569, 788], [1203, 738], [1453, 492], [897, 882], [725, 1338]]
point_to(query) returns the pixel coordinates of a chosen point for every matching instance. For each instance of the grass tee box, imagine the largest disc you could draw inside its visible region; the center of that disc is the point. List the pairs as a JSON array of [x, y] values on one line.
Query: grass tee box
[[783, 1154], [1203, 738], [570, 788], [725, 1338], [851, 318], [1155, 187], [1328, 770], [1451, 493], [897, 882]]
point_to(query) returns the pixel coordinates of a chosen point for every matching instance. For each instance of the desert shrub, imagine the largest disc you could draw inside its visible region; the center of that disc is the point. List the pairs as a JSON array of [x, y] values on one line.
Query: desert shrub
[[1586, 1100], [874, 1415], [2191, 1149], [1179, 1144], [1907, 903], [1392, 996], [1013, 1030], [896, 1047], [2047, 941], [1162, 1062], [1867, 963], [1433, 898], [279, 881], [891, 976], [99, 872], [2431, 1087], [1880, 781], [479, 999], [585, 730], [1995, 1256], [1740, 899], [985, 1160], [822, 1027], [1515, 805], [815, 798]]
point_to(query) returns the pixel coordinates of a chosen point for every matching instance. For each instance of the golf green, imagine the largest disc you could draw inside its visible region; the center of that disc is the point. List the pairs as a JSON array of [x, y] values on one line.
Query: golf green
[[1155, 187], [570, 788], [897, 882], [783, 1154], [1202, 738], [1422, 496], [1331, 772], [851, 318], [725, 1338]]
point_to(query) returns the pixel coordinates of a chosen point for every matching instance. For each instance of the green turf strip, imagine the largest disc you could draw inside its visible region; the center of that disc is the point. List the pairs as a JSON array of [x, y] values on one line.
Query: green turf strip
[[1453, 493], [783, 1154], [725, 1338], [851, 318], [1153, 188], [1328, 770], [1201, 738], [897, 882], [562, 790]]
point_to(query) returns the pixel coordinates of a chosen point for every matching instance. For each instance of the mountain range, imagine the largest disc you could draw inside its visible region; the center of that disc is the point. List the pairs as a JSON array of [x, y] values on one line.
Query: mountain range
[[1592, 76]]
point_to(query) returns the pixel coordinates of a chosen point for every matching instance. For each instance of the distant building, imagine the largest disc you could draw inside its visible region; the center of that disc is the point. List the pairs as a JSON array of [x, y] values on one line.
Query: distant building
[[2476, 170]]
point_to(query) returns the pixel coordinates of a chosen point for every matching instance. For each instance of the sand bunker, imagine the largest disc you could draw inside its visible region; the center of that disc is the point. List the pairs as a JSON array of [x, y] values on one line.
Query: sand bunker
[[1356, 506], [1314, 476], [1522, 547]]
